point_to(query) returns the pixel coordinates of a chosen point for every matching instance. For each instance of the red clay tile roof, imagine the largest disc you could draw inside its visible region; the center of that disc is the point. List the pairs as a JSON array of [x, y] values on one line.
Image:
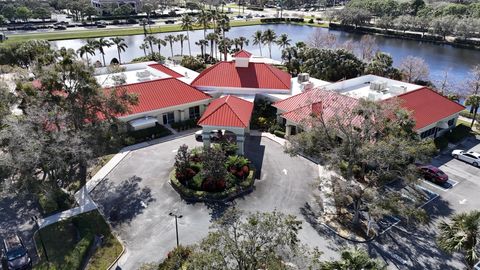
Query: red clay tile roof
[[228, 111], [256, 75], [166, 70], [427, 106], [163, 93], [242, 54], [300, 107]]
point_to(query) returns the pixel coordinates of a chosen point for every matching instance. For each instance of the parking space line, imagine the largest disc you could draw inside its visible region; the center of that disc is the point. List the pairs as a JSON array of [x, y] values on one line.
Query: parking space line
[[453, 184]]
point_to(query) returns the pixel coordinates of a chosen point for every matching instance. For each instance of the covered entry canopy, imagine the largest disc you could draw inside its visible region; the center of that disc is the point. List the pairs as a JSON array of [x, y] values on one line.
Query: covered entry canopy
[[228, 113]]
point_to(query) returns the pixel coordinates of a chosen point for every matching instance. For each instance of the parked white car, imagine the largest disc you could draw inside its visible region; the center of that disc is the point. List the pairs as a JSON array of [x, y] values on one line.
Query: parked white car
[[467, 156]]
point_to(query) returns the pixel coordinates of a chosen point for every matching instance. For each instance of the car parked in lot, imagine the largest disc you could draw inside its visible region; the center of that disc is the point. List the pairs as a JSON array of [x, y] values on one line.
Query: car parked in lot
[[214, 136], [433, 174], [15, 253], [467, 156]]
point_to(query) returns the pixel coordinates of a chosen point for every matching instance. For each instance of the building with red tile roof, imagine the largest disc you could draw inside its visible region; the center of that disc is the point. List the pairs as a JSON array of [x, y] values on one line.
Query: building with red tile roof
[[433, 113], [166, 70], [243, 77], [169, 100], [229, 113]]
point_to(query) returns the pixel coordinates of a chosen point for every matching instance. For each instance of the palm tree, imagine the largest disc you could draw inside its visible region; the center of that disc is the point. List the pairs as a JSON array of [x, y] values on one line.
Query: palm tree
[[203, 44], [257, 40], [236, 43], [283, 41], [171, 39], [203, 20], [243, 41], [224, 26], [268, 38], [213, 38], [121, 46], [100, 44], [187, 25], [144, 47], [181, 38], [474, 102], [150, 40], [462, 234], [160, 42], [353, 259], [86, 50]]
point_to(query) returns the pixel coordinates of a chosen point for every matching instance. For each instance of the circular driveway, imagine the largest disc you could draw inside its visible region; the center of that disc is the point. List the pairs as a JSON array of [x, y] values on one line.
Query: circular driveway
[[136, 197]]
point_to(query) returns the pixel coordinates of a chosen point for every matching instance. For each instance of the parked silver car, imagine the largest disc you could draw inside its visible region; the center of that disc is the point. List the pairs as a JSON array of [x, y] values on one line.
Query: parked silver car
[[467, 156]]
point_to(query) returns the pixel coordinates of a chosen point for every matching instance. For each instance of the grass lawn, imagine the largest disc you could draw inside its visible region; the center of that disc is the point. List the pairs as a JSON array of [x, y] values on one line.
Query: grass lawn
[[95, 33], [68, 242], [463, 122]]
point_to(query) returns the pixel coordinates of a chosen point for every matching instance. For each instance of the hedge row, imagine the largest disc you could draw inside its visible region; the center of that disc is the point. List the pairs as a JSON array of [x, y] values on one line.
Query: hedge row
[[456, 135], [279, 20], [142, 135], [184, 125], [279, 133], [229, 194], [77, 256]]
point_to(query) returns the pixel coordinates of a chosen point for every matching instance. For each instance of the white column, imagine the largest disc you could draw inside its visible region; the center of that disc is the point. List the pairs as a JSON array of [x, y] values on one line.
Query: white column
[[288, 131], [240, 144], [206, 139]]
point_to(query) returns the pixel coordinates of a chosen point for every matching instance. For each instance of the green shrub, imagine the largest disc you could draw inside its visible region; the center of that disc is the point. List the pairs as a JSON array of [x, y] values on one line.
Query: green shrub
[[279, 133], [459, 133], [75, 258], [184, 125], [196, 182], [441, 142], [193, 63], [142, 135], [310, 21], [176, 258], [54, 201], [47, 204]]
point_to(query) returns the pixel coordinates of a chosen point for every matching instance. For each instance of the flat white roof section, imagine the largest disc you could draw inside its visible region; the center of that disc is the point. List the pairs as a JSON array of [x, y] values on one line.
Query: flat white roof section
[[298, 87], [372, 87], [188, 74]]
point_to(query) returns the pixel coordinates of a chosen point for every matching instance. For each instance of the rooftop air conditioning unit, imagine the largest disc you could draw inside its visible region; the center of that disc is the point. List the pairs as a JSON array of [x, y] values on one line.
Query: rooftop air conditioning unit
[[143, 75], [398, 89], [305, 86], [378, 86], [303, 77]]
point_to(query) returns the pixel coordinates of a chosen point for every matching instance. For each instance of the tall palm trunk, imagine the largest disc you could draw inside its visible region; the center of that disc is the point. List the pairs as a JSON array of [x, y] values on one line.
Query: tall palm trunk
[[189, 48], [103, 57], [475, 111], [119, 58], [171, 48]]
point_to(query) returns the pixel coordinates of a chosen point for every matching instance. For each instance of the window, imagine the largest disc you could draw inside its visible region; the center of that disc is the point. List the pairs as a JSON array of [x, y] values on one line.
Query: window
[[451, 122], [428, 133], [194, 112], [168, 118]]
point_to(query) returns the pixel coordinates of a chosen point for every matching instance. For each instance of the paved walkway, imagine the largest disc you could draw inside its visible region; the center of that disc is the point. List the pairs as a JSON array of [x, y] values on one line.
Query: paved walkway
[[82, 197]]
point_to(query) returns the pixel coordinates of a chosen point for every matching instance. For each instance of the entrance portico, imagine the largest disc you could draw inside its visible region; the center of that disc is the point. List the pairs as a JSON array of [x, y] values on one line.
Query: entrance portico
[[228, 114]]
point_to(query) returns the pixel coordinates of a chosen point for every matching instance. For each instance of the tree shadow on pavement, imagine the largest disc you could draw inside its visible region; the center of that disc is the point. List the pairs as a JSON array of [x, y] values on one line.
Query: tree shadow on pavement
[[255, 151], [414, 246], [123, 202], [16, 211]]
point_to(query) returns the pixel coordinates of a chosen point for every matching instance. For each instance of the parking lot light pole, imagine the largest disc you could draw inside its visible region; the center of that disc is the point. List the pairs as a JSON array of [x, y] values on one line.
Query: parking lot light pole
[[176, 224], [35, 219]]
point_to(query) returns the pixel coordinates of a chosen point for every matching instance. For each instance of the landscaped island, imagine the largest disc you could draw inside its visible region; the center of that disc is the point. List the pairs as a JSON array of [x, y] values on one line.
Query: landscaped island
[[211, 173]]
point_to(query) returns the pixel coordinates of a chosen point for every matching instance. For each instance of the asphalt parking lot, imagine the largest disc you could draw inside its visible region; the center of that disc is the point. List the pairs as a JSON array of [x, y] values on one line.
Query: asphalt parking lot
[[138, 193]]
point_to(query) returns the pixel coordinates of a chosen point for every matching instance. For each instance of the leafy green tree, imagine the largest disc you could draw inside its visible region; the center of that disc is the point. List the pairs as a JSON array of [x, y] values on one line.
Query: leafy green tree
[[8, 11], [214, 164], [353, 16], [367, 145], [260, 241], [23, 13], [187, 25], [382, 65], [193, 63], [353, 259], [121, 46], [42, 13], [417, 5], [443, 26], [257, 40], [124, 11], [330, 65], [268, 37], [462, 234], [26, 54]]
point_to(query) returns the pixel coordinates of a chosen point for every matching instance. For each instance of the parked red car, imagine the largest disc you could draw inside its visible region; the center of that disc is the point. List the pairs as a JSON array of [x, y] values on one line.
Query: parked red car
[[433, 174]]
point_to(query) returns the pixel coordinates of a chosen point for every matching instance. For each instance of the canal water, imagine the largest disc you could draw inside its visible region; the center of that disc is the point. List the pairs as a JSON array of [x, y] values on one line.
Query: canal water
[[440, 58]]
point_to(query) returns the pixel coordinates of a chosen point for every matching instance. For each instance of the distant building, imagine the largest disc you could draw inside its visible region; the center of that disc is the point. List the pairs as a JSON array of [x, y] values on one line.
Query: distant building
[[103, 5]]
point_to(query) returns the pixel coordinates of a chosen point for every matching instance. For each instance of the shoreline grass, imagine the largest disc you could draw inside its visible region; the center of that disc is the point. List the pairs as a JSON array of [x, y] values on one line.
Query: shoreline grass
[[97, 33]]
